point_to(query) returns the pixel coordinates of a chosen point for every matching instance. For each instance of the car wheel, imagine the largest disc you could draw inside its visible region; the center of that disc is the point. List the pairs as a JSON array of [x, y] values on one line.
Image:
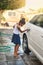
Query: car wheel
[[25, 44]]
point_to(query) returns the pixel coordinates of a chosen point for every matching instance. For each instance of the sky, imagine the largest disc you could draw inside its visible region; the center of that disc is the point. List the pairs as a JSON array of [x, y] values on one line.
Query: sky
[[34, 4]]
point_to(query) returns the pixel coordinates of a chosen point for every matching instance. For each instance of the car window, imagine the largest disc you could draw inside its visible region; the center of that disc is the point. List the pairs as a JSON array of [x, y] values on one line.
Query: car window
[[37, 20], [40, 21]]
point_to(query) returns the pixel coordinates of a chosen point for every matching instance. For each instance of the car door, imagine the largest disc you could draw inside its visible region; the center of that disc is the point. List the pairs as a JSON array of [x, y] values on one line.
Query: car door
[[36, 36]]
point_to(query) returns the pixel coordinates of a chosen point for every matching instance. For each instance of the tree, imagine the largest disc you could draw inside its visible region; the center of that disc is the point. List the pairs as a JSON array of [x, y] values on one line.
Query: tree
[[3, 4], [10, 4], [14, 4]]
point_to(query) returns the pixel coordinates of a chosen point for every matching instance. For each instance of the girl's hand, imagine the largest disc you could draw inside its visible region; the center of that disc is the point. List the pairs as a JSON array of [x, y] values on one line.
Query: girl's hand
[[28, 30]]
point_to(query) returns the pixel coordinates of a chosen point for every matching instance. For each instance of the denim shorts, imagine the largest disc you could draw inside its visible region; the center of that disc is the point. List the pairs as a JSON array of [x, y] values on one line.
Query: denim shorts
[[16, 39]]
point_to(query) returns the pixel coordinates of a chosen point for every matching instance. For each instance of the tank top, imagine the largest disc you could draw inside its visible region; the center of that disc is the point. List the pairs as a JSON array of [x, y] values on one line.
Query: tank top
[[15, 30]]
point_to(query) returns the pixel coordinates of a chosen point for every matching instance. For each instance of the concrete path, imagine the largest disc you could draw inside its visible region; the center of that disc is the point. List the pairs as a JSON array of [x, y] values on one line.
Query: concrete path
[[10, 60], [7, 58]]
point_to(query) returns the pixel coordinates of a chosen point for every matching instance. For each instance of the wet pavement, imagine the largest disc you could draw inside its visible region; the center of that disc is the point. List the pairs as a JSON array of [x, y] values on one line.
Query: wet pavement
[[31, 59], [7, 49], [10, 60]]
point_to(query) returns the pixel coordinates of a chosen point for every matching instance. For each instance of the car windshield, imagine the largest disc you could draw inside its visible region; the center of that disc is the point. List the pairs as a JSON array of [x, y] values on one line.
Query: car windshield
[[37, 20]]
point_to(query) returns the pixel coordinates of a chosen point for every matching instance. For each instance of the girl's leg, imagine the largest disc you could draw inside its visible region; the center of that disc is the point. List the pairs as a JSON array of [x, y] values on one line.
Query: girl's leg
[[16, 50], [17, 47]]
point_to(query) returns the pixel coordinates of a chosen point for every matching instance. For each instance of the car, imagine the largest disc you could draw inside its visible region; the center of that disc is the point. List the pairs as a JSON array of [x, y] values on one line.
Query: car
[[33, 39]]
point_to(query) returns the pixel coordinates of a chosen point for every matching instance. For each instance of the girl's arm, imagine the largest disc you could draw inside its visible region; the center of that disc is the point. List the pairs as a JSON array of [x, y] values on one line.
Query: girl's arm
[[21, 30]]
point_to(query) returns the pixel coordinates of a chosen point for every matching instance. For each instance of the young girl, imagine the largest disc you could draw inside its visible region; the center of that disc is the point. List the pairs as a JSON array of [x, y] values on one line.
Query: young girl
[[16, 36]]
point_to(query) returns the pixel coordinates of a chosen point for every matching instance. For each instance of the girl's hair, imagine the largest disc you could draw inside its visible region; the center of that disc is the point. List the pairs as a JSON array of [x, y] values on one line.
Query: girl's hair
[[22, 21]]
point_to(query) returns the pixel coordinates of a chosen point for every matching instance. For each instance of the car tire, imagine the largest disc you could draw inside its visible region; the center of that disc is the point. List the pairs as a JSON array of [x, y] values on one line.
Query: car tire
[[25, 44]]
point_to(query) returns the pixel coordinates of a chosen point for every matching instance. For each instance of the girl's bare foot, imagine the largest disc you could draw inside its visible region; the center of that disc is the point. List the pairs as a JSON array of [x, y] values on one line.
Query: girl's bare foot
[[15, 54]]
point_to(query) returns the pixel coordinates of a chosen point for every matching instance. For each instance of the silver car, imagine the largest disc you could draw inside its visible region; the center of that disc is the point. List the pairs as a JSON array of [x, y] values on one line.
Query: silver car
[[33, 39]]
